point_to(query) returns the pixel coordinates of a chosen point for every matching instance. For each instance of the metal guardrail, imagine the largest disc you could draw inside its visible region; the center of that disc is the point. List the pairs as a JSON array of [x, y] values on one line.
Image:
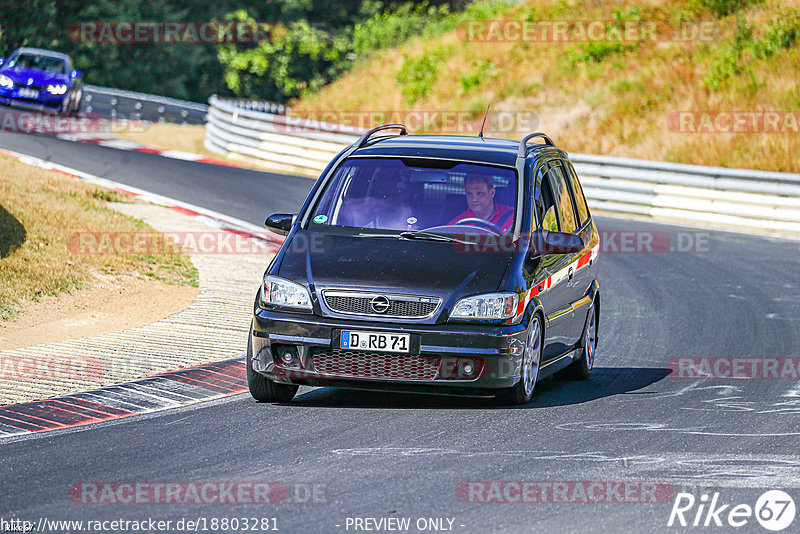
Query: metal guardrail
[[118, 104], [718, 196], [258, 105], [275, 141], [703, 195]]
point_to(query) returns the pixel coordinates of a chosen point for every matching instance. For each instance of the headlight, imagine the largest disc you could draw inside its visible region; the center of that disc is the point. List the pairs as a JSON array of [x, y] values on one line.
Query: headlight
[[283, 293], [6, 82], [59, 89], [489, 306]]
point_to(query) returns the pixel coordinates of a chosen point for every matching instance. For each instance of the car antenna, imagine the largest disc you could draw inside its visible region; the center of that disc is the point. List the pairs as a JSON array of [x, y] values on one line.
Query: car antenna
[[480, 134]]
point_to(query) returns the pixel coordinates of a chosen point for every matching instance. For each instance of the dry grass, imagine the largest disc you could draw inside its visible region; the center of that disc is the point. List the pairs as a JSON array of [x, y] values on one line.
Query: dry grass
[[181, 137], [618, 105], [167, 136], [39, 210]]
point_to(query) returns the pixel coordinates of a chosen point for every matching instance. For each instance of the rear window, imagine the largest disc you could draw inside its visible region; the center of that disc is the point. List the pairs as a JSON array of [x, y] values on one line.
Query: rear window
[[399, 194], [547, 207], [580, 199], [566, 214]]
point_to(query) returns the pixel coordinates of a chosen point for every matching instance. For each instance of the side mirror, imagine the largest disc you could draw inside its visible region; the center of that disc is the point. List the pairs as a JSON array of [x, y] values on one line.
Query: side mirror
[[548, 242], [280, 223], [76, 73]]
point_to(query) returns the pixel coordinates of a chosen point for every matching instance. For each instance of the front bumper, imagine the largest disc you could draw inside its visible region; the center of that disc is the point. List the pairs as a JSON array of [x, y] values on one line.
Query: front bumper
[[44, 101], [439, 362]]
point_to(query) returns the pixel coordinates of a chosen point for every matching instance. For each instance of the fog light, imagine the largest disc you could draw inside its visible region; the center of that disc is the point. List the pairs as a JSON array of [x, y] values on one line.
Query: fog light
[[460, 368], [286, 356]]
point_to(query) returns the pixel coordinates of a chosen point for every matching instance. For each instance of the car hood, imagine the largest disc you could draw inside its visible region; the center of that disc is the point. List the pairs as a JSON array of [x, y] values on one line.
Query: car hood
[[390, 265], [21, 75]]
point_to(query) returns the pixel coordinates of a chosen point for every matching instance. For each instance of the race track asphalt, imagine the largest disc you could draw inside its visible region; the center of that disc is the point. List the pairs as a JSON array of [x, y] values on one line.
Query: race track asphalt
[[388, 455]]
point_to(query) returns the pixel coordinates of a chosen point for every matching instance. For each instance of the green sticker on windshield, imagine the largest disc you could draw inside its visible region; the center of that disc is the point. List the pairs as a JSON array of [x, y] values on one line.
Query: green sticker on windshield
[[319, 219]]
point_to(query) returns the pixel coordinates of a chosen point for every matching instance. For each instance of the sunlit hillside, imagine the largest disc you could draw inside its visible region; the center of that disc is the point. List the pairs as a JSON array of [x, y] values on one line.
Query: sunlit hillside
[[732, 74]]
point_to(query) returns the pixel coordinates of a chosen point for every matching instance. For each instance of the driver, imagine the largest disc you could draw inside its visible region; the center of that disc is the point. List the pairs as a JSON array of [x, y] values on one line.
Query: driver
[[479, 192]]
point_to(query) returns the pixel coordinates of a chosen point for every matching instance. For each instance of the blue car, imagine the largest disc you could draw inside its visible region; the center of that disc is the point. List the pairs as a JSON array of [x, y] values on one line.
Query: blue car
[[40, 79]]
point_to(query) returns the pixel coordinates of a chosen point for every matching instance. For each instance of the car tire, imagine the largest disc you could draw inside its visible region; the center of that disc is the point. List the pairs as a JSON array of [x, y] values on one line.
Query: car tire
[[262, 388], [522, 391], [581, 369]]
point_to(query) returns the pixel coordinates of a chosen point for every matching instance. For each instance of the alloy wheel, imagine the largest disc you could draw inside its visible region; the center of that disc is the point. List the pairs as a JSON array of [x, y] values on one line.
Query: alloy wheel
[[532, 357]]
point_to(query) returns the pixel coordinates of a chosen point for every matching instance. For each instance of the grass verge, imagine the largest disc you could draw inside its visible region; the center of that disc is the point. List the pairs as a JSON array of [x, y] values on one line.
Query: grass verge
[[181, 137], [607, 97], [168, 136], [39, 210]]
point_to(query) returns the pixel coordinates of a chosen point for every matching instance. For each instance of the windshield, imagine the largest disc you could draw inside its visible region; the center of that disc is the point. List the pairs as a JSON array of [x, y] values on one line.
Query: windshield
[[36, 61], [393, 194]]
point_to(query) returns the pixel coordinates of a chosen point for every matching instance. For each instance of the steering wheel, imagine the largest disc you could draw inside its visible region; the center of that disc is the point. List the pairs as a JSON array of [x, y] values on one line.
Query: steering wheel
[[488, 224]]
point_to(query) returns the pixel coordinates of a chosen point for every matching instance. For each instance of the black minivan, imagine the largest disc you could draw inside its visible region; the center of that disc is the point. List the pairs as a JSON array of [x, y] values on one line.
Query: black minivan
[[432, 264]]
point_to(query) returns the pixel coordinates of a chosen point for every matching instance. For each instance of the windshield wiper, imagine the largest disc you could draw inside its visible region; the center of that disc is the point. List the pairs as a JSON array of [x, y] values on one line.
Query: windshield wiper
[[395, 236], [419, 234], [428, 236]]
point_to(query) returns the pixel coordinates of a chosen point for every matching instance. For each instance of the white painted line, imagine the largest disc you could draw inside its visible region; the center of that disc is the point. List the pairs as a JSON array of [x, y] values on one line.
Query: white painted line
[[794, 391], [177, 154], [121, 144]]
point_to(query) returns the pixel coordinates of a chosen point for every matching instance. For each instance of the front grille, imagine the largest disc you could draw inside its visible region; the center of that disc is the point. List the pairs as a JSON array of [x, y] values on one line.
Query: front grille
[[357, 364], [398, 306]]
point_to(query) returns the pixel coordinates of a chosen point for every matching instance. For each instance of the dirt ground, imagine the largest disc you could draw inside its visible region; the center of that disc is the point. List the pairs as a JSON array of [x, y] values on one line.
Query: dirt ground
[[112, 303]]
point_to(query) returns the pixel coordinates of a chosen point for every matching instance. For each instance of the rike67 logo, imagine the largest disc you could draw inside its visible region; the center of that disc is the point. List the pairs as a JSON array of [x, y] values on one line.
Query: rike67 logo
[[774, 510]]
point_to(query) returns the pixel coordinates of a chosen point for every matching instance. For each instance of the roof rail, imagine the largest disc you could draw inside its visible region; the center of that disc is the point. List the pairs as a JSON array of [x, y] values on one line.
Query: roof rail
[[364, 138], [523, 145]]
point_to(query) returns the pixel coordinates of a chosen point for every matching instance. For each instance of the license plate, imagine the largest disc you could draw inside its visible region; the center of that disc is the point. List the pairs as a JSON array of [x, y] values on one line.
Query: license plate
[[25, 92], [382, 341]]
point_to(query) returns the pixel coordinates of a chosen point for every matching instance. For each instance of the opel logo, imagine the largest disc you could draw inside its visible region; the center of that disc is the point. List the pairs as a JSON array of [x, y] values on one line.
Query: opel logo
[[380, 304]]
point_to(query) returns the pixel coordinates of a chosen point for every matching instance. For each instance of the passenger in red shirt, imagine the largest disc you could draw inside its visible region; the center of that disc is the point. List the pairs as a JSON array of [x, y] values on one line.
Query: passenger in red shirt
[[480, 203]]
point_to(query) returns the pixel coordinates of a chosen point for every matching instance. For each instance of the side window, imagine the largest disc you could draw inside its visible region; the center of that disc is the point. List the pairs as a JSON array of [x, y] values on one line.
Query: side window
[[580, 199], [547, 206], [563, 202]]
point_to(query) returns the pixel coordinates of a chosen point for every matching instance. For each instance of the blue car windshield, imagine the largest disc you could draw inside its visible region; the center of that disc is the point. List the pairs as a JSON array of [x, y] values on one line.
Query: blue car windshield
[[39, 62], [402, 194]]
